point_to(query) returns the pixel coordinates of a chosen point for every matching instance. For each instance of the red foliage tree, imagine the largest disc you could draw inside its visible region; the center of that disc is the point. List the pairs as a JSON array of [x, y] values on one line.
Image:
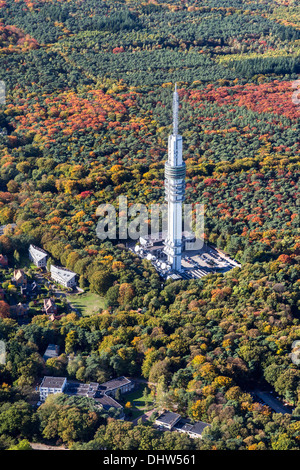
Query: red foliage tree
[[4, 309]]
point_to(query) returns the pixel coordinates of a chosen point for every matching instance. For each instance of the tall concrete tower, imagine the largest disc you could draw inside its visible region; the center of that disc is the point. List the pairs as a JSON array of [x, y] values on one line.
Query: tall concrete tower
[[174, 191]]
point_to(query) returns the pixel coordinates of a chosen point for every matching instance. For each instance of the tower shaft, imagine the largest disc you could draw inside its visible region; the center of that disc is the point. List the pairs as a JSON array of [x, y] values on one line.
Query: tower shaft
[[174, 191]]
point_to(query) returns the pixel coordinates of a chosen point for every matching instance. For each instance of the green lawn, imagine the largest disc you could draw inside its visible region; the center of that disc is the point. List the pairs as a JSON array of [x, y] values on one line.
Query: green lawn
[[136, 397], [139, 404], [87, 303], [133, 413]]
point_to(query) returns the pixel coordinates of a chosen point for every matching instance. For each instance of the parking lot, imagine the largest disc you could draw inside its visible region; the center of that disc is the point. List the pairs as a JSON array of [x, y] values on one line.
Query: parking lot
[[207, 260], [274, 402]]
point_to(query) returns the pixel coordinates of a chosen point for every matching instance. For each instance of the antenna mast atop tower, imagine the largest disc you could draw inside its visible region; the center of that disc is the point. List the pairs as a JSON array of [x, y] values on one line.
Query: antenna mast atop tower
[[175, 110]]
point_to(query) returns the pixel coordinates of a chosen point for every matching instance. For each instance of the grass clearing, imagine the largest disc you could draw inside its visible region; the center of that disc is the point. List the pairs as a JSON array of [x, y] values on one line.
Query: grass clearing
[[137, 399], [87, 303], [139, 404]]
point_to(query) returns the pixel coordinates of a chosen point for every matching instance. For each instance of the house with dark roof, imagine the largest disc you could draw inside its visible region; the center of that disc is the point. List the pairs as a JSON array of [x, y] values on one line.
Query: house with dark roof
[[168, 419], [111, 386], [108, 402], [192, 430], [173, 422], [19, 310], [30, 290]]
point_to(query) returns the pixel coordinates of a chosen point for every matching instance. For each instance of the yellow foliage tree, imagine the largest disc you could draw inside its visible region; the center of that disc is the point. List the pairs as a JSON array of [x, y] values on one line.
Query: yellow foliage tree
[[197, 410]]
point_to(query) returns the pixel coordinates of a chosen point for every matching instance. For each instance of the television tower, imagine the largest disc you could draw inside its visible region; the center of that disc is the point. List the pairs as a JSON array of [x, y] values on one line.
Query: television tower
[[174, 191]]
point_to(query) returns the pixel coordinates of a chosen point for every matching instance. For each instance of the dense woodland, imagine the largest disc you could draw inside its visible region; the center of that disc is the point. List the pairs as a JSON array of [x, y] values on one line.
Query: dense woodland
[[86, 119]]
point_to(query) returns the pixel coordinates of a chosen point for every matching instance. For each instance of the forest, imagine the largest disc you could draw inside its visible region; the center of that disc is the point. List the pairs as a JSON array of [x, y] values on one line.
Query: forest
[[86, 119]]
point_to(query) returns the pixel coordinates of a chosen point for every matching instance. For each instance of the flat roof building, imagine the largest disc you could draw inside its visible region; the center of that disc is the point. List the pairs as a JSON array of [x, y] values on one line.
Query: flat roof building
[[168, 419], [193, 430], [173, 422], [111, 386], [52, 385], [101, 393], [107, 402]]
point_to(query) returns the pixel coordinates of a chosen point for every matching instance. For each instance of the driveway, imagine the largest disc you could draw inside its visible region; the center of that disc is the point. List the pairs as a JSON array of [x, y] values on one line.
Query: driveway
[[145, 417]]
